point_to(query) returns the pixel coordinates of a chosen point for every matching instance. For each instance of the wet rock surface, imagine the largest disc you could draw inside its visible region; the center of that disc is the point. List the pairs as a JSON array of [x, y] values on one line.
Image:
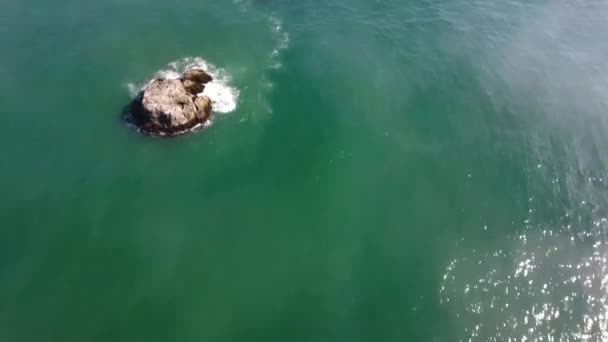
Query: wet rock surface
[[172, 106]]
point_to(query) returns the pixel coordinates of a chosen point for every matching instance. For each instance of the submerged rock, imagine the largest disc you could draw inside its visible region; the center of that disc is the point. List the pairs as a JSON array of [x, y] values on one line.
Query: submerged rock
[[172, 106]]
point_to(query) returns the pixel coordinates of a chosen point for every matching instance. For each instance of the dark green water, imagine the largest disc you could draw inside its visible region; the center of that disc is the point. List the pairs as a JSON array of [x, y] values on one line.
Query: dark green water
[[428, 170]]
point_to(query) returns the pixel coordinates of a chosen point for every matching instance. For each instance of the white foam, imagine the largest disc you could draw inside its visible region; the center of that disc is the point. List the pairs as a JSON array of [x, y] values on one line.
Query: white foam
[[224, 98], [282, 41]]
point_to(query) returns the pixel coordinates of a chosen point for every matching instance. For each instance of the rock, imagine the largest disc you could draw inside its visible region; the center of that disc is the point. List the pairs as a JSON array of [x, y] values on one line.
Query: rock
[[193, 88], [172, 106], [168, 107], [203, 106], [197, 76]]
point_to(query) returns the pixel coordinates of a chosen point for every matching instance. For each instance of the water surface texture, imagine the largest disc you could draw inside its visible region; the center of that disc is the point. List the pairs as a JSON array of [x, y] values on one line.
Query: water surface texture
[[421, 170]]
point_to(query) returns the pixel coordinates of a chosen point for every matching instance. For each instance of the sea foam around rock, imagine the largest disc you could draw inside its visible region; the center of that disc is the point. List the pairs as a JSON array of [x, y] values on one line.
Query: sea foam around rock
[[224, 98]]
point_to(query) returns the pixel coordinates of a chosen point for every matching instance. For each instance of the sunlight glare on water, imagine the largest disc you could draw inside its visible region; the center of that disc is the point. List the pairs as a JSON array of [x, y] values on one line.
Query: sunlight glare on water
[[424, 170], [542, 286]]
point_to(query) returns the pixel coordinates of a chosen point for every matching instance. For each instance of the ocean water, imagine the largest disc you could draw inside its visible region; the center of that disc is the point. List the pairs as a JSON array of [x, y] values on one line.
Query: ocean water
[[424, 170]]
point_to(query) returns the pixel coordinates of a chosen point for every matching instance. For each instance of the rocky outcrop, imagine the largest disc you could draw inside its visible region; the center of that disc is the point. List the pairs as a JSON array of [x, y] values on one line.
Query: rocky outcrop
[[172, 106], [193, 87], [203, 105], [197, 75]]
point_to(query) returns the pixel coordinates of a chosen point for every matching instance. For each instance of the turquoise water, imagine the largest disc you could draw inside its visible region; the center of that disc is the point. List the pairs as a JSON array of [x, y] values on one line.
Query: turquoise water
[[429, 170]]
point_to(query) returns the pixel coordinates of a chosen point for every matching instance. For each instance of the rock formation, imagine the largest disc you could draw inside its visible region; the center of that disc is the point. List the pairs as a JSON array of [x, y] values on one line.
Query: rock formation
[[172, 106]]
